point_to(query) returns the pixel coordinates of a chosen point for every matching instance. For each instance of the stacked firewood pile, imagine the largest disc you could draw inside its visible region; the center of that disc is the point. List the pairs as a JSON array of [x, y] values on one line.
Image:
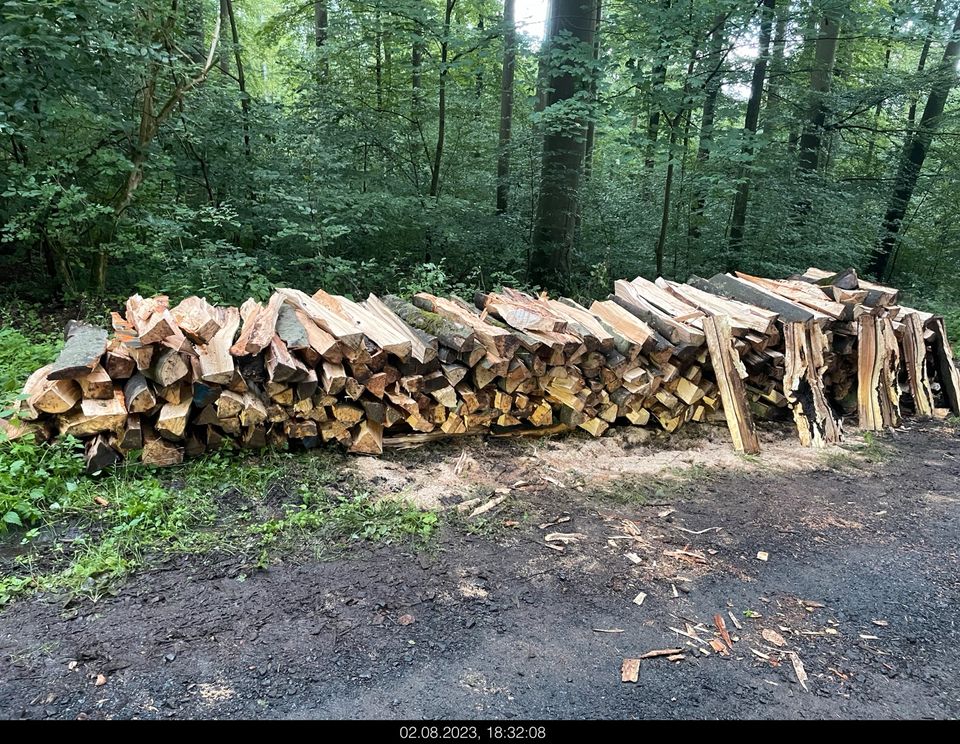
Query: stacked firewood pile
[[300, 370]]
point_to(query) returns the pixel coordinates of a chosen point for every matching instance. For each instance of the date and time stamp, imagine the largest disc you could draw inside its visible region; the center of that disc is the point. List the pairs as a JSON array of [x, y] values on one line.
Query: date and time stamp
[[475, 733]]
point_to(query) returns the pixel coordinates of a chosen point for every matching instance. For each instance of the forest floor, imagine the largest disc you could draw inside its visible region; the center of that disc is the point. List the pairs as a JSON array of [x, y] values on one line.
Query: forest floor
[[485, 620]]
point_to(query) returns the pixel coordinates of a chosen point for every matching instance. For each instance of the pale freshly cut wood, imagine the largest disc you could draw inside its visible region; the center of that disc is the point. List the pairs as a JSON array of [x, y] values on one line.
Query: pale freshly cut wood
[[621, 322], [520, 312], [729, 373], [390, 338], [169, 367], [423, 347], [367, 439], [138, 396], [281, 365], [583, 317], [216, 361], [96, 384], [328, 320], [915, 360], [259, 328], [197, 319], [667, 302], [172, 421], [660, 320], [869, 363], [95, 416], [84, 346], [741, 316], [333, 378], [47, 396], [150, 318], [321, 342]]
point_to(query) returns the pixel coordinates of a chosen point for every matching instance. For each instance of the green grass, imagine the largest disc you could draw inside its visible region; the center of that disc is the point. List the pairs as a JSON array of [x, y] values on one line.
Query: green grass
[[873, 450], [64, 530], [669, 484], [84, 534]]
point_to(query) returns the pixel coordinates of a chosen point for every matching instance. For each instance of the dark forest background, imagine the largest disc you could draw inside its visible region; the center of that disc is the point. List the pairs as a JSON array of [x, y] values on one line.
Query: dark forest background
[[223, 147]]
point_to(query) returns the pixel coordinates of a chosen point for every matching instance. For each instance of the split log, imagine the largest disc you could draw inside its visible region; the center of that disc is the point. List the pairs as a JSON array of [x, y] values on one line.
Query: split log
[[132, 436], [170, 367], [159, 452], [259, 328], [138, 396], [197, 319], [915, 360], [84, 346], [216, 362], [172, 422], [99, 453], [817, 425], [47, 396], [119, 364], [367, 439], [729, 373], [452, 334], [949, 377], [94, 417], [728, 286], [96, 384]]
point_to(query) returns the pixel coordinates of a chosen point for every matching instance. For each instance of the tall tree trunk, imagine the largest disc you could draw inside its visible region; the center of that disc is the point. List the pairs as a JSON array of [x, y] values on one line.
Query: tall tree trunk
[[320, 37], [658, 78], [778, 68], [825, 55], [441, 100], [739, 219], [592, 124], [416, 71], [241, 80], [193, 12], [378, 59], [506, 105], [922, 63], [667, 189], [563, 140], [707, 116], [878, 109], [915, 152], [223, 62]]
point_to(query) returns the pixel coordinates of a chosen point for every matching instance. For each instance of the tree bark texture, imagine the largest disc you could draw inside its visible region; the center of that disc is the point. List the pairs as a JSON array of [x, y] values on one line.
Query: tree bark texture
[[915, 152], [568, 52], [739, 219]]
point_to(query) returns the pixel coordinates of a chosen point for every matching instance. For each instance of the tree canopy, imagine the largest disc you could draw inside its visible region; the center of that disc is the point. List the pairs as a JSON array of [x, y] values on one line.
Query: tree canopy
[[222, 147]]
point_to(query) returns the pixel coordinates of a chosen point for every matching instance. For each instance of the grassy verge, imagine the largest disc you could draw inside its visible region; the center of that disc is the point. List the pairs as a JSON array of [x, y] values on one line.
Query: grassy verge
[[63, 530]]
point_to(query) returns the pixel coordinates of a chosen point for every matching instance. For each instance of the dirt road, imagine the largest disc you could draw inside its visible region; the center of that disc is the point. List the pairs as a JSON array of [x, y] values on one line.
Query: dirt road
[[861, 583]]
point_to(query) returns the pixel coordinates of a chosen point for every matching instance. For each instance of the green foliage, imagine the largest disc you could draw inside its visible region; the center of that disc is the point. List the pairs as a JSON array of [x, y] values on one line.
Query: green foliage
[[19, 357], [35, 480]]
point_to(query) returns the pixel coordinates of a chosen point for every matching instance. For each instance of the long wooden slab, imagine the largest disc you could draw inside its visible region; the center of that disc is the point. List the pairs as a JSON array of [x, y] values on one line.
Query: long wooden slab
[[84, 346], [729, 373]]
